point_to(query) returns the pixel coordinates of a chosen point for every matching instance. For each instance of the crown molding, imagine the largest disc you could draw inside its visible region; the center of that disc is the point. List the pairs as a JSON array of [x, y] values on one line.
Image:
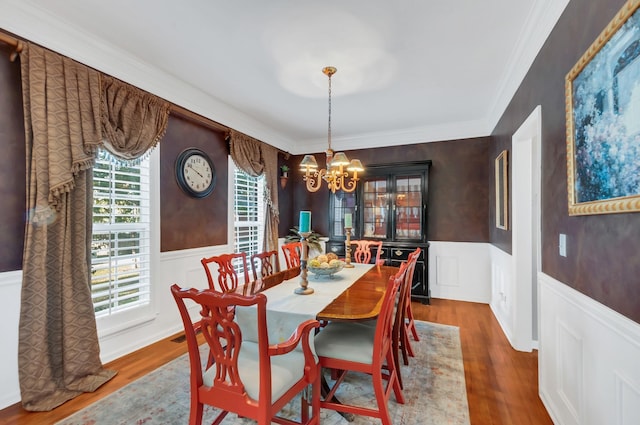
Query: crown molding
[[541, 20], [409, 136]]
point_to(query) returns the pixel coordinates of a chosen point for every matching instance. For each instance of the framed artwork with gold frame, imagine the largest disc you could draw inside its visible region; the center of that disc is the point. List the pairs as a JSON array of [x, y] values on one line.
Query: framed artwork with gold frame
[[502, 191], [602, 93]]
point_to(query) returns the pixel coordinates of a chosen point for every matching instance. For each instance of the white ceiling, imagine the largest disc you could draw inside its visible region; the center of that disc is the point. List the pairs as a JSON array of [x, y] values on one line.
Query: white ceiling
[[409, 71]]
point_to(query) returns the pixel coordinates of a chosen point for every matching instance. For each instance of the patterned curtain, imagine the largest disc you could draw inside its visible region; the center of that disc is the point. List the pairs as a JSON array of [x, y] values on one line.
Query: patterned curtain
[[58, 349], [256, 158]]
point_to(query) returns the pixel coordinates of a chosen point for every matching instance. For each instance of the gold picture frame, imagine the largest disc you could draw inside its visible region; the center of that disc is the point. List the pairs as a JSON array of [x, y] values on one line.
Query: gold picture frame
[[502, 191], [603, 129]]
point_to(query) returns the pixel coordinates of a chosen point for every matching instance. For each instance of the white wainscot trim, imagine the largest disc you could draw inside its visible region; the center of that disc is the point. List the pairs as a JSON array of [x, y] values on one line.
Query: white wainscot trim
[[588, 360], [502, 291], [181, 267], [10, 287], [460, 271]]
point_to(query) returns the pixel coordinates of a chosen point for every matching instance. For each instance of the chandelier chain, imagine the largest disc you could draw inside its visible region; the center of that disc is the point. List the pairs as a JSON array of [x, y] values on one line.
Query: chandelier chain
[[329, 111]]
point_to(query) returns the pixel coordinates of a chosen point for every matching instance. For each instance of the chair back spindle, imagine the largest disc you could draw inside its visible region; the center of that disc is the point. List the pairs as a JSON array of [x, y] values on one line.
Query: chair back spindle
[[363, 254], [292, 254], [228, 280], [264, 264]]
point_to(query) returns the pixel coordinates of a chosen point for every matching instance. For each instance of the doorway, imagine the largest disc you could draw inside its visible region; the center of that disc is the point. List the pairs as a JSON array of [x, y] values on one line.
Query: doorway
[[526, 228]]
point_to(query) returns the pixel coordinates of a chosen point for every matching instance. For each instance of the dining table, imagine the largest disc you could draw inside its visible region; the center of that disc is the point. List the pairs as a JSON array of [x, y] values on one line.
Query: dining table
[[361, 300], [353, 294]]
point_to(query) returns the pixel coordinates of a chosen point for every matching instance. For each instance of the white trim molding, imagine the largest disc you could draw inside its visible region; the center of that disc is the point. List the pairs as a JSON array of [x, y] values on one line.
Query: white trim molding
[[460, 271], [10, 288], [588, 360]]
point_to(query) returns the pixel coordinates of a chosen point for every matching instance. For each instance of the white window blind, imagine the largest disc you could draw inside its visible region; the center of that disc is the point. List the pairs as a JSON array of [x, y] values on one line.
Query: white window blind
[[249, 214], [120, 249]]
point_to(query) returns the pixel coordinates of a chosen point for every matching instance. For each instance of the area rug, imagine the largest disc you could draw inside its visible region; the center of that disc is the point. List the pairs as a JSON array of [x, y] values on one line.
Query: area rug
[[434, 391]]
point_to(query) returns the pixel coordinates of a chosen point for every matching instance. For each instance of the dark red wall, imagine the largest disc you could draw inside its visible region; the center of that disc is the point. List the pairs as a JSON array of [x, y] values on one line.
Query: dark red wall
[[185, 221], [603, 259], [458, 187], [12, 165]]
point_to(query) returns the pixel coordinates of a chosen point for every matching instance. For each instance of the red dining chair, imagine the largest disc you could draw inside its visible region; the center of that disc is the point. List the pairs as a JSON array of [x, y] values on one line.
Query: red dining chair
[[400, 340], [410, 326], [248, 376], [264, 264], [352, 346], [228, 279], [363, 253], [292, 254]]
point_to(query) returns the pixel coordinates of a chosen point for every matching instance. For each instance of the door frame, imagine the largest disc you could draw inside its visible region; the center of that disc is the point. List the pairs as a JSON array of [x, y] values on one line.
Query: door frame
[[526, 171]]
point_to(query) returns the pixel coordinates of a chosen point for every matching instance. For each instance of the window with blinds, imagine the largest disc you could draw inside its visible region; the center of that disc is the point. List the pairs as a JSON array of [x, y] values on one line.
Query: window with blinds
[[249, 214], [120, 248]]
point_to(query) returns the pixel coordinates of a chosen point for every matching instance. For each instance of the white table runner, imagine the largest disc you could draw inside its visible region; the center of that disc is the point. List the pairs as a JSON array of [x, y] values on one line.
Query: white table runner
[[286, 310]]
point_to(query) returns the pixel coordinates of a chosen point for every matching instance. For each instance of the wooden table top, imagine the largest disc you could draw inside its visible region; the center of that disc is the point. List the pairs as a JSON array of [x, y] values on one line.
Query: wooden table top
[[363, 299]]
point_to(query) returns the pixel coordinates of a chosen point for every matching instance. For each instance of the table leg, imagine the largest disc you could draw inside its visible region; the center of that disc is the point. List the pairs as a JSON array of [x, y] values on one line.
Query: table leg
[[350, 417]]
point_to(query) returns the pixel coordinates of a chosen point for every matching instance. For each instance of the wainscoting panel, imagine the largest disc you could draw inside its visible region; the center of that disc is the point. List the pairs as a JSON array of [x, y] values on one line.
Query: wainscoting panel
[[10, 287], [180, 267], [447, 271], [460, 271], [589, 372], [570, 368], [502, 291], [628, 396]]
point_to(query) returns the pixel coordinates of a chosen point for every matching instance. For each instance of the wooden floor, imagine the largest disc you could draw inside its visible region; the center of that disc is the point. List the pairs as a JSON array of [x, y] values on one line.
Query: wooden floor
[[502, 384]]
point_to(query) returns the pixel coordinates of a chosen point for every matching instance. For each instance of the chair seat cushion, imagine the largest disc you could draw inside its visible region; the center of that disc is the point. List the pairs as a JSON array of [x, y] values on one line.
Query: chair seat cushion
[[346, 341], [286, 370]]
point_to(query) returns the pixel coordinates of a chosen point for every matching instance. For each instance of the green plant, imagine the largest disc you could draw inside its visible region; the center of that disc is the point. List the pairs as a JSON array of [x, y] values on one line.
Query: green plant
[[284, 168], [313, 239]]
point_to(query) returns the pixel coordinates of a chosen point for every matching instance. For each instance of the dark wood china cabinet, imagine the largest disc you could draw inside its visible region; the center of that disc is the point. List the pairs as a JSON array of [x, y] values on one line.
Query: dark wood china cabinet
[[390, 204]]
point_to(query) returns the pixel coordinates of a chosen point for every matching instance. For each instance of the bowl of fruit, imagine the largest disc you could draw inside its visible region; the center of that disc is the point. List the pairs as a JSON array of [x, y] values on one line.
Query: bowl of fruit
[[325, 265]]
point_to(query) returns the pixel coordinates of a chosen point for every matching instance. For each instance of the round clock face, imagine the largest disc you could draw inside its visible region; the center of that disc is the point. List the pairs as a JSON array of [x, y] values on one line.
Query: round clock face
[[195, 173]]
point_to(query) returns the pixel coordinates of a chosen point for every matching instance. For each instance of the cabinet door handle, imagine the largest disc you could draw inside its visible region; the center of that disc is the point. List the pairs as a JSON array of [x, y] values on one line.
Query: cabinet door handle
[[398, 252], [334, 248]]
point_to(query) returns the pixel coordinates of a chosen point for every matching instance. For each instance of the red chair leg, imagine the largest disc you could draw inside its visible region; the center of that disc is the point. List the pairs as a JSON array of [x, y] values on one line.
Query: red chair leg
[[379, 391]]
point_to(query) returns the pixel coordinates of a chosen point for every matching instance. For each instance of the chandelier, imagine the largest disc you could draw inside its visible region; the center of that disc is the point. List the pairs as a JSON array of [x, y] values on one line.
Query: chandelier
[[338, 165]]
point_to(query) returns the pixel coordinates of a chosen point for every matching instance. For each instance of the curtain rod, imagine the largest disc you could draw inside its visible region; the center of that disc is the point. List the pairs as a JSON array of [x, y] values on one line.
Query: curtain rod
[[13, 42], [190, 115]]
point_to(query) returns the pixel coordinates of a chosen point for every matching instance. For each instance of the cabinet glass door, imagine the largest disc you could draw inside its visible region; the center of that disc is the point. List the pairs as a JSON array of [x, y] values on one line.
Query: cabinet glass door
[[375, 209], [408, 207], [342, 203]]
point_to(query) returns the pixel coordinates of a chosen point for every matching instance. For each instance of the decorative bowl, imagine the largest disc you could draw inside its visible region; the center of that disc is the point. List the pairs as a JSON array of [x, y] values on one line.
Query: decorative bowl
[[328, 271]]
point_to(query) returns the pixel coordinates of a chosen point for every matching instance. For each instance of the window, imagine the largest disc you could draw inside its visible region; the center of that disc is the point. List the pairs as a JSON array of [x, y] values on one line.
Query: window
[[120, 248], [249, 213]]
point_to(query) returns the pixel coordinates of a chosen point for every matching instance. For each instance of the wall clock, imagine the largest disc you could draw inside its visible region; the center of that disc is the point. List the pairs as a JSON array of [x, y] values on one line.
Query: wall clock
[[195, 173]]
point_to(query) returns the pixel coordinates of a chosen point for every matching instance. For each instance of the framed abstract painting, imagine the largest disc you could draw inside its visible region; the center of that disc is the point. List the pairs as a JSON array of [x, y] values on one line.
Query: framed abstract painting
[[602, 94]]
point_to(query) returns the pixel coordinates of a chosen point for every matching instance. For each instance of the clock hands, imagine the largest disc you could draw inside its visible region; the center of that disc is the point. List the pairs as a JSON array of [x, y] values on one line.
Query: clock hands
[[193, 168]]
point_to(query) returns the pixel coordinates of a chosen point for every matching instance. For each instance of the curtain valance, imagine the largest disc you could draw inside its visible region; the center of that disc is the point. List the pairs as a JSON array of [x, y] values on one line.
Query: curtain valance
[[256, 158]]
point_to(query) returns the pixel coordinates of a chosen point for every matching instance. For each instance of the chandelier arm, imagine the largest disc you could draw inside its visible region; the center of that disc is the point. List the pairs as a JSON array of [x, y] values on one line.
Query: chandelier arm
[[350, 187], [314, 180]]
